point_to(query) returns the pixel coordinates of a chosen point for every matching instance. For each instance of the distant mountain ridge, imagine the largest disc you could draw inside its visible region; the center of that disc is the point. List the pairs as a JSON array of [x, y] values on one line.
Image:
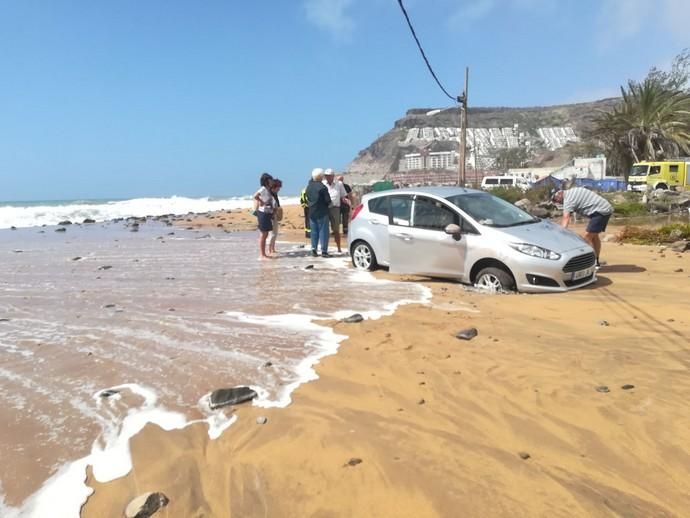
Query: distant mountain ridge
[[382, 156]]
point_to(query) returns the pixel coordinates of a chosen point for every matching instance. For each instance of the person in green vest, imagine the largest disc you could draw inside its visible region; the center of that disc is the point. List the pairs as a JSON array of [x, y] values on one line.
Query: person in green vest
[[305, 208]]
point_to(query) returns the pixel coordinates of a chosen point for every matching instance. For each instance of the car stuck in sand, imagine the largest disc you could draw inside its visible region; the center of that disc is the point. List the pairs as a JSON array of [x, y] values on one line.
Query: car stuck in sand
[[468, 235]]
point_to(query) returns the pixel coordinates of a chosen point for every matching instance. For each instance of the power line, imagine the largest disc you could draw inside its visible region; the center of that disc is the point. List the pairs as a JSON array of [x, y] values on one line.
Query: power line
[[419, 45]]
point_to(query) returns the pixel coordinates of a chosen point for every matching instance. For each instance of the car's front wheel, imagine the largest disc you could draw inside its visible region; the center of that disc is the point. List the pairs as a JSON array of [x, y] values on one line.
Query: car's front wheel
[[495, 280], [363, 257]]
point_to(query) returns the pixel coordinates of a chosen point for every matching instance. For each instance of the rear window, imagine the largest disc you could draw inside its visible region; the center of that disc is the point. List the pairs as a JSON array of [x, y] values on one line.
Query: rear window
[[490, 181], [506, 181], [379, 205]]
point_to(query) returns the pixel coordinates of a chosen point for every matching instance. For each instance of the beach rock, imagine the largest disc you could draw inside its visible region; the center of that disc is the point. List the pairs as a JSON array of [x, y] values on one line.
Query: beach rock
[[109, 306], [231, 396], [89, 220], [421, 401], [64, 223], [261, 420], [540, 212], [146, 505], [61, 229], [108, 392], [628, 387], [467, 334], [603, 323], [309, 267], [76, 258], [13, 228], [353, 461], [603, 389], [105, 267], [4, 319], [353, 319], [678, 270], [524, 455], [681, 246], [523, 204], [268, 364]]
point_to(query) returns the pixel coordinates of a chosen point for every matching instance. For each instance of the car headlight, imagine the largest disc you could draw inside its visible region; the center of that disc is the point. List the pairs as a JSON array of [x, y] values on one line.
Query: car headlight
[[535, 251]]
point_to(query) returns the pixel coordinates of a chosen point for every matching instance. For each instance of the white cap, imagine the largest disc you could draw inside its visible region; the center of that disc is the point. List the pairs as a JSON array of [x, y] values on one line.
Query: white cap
[[328, 172], [317, 173]]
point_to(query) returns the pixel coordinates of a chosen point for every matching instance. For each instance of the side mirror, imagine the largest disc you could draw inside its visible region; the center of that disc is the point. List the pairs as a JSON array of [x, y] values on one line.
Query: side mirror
[[454, 230]]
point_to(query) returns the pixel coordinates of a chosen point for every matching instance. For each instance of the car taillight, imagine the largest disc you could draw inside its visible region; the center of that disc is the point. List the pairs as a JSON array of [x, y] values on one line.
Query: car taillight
[[356, 211]]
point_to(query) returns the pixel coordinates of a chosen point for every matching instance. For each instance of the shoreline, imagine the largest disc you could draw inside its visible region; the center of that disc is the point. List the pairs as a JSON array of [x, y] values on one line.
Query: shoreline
[[406, 420]]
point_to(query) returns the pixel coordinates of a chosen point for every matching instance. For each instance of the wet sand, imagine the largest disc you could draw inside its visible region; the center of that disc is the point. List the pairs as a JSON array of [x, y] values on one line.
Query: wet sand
[[515, 422]]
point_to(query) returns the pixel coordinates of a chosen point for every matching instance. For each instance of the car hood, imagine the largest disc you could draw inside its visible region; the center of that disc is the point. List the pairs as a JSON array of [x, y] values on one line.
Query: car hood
[[546, 235]]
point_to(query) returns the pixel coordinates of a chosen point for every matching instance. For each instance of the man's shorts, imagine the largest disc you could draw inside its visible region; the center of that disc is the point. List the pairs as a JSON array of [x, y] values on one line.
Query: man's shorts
[[334, 217], [265, 221], [597, 222]]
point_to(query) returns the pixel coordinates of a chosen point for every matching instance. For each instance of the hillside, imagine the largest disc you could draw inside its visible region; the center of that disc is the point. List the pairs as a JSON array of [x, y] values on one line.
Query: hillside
[[383, 155]]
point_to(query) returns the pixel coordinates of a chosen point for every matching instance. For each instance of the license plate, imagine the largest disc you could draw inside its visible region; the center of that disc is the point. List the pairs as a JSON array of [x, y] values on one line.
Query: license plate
[[583, 273]]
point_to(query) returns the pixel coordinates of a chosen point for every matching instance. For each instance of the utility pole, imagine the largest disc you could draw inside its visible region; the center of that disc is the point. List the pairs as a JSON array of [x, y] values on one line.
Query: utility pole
[[462, 99]]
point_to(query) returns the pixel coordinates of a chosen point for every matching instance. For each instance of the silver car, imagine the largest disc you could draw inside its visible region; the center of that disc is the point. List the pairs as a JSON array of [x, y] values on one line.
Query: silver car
[[468, 235]]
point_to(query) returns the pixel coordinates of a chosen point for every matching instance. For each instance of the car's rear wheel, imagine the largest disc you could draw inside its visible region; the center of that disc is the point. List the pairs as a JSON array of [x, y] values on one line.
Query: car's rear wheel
[[363, 256], [495, 280]]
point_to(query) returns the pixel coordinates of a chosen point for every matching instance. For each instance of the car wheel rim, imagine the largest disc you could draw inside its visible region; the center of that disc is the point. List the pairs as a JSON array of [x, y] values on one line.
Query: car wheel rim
[[490, 282], [362, 257]]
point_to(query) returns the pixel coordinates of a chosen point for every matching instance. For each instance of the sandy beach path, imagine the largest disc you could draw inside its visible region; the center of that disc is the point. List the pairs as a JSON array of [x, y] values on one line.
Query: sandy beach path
[[512, 423]]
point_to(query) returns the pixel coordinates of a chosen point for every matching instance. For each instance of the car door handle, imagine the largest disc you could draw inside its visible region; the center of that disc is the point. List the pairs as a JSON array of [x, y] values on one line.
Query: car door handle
[[404, 237], [374, 222]]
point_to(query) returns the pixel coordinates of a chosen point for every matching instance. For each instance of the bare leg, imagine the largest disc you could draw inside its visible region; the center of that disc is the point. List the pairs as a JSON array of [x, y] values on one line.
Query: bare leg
[[593, 239], [262, 245]]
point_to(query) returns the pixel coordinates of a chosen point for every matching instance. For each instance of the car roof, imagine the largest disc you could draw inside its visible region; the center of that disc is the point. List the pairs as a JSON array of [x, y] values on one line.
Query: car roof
[[441, 192]]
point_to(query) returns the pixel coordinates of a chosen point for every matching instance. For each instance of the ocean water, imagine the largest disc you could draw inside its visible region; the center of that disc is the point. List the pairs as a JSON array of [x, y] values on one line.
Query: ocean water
[[162, 317], [37, 213]]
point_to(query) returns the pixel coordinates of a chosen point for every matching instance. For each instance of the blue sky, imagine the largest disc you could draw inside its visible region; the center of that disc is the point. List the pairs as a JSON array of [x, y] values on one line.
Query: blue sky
[[129, 98]]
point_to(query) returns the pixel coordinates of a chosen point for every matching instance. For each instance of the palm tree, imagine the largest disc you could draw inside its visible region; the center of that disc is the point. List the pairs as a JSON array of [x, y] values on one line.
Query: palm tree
[[651, 122]]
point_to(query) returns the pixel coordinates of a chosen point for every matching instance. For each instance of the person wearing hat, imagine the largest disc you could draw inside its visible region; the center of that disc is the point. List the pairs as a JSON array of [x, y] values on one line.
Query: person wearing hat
[[589, 204], [319, 202], [337, 193]]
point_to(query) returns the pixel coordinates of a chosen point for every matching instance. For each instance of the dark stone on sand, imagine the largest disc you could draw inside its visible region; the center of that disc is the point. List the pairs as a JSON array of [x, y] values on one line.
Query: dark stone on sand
[[231, 396], [13, 228], [603, 323], [146, 505], [4, 319], [268, 364], [76, 258], [628, 387], [89, 220], [524, 455], [603, 389], [678, 270], [421, 401], [18, 251], [353, 319], [105, 267], [109, 392], [64, 223], [467, 334], [61, 229], [261, 420], [108, 306], [309, 267], [353, 461]]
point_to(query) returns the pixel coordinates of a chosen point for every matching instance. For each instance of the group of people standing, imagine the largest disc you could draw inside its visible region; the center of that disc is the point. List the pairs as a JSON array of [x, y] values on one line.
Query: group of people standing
[[326, 202], [269, 214]]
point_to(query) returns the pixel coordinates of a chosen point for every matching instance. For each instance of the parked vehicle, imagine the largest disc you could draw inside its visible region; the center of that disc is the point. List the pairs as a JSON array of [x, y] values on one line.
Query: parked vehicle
[[491, 182], [659, 175], [468, 235]]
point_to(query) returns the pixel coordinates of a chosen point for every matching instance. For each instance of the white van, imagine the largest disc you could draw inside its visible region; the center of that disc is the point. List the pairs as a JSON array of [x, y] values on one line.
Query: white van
[[491, 182]]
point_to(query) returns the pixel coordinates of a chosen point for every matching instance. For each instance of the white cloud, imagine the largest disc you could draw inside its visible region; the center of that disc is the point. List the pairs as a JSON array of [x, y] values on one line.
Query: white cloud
[[619, 21], [331, 16]]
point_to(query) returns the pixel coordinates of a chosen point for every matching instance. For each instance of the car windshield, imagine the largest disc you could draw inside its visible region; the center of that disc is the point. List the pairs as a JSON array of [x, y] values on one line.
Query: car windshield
[[639, 170], [491, 211]]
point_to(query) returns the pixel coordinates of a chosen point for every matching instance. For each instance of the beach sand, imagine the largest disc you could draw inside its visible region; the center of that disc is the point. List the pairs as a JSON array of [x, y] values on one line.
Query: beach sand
[[508, 424]]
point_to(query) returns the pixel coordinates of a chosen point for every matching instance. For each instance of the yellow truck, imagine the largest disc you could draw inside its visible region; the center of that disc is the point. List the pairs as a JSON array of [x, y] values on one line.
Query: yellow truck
[[660, 175]]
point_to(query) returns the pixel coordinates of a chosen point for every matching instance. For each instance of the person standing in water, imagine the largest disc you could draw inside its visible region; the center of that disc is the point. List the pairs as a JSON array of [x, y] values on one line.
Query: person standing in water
[[264, 212], [319, 201], [337, 193], [277, 215]]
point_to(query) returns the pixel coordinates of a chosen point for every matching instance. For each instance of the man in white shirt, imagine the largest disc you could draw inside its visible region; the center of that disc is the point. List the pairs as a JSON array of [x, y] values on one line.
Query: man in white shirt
[[337, 192]]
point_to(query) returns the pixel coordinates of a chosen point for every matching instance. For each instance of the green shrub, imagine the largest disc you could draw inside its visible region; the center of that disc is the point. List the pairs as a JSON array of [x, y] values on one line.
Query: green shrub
[[652, 236], [630, 208], [510, 194]]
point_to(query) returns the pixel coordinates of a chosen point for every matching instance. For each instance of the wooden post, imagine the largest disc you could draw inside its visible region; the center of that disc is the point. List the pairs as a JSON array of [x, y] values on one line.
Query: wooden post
[[463, 131]]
